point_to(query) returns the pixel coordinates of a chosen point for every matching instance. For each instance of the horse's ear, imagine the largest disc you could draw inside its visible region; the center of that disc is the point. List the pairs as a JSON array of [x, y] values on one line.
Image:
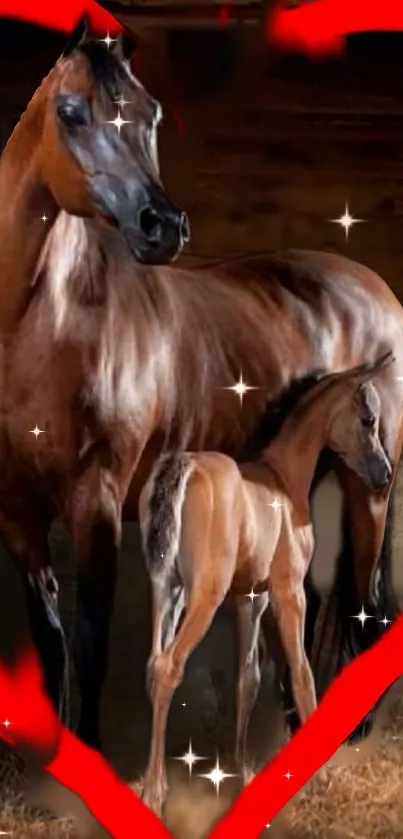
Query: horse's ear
[[77, 36], [125, 46]]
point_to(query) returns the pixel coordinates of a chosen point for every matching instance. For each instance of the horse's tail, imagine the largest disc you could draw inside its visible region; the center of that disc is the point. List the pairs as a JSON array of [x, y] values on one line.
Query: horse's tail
[[337, 629], [161, 507]]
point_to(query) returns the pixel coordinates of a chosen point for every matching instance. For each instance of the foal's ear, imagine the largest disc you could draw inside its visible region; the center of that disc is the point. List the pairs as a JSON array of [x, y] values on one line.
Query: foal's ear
[[77, 36], [367, 371]]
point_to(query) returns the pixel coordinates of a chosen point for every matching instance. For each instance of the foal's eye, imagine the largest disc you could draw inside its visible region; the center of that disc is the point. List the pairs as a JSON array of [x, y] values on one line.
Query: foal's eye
[[368, 421], [73, 111]]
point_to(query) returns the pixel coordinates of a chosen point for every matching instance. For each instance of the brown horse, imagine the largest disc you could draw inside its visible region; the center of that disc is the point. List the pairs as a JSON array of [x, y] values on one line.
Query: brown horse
[[112, 359], [67, 153], [208, 531]]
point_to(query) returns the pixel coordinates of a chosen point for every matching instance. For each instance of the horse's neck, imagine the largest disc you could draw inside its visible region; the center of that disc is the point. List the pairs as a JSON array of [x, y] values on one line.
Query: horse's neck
[[294, 453], [24, 199]]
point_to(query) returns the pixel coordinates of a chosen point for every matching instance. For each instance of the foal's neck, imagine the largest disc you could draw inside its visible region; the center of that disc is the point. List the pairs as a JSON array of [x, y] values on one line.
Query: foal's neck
[[294, 453], [24, 199]]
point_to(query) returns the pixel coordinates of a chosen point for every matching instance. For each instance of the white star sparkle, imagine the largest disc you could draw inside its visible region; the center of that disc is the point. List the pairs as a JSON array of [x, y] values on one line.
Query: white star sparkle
[[122, 101], [240, 388], [44, 218], [118, 122], [346, 221], [189, 758], [37, 431], [275, 504], [6, 723], [385, 621], [252, 595], [217, 776], [288, 775], [362, 616], [107, 40]]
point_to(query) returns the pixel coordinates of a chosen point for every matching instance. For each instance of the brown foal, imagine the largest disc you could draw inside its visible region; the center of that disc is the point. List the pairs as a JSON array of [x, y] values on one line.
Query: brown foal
[[211, 527]]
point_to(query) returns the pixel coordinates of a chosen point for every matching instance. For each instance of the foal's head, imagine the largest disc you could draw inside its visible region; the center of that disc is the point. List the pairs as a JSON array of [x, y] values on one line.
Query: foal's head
[[94, 166], [353, 429]]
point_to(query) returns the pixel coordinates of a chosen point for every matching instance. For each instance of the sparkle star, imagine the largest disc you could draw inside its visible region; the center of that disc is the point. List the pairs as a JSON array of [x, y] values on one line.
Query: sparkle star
[[118, 122], [362, 616], [385, 621], [288, 775], [6, 723], [122, 101], [44, 218], [217, 776], [346, 221], [37, 431], [189, 758], [275, 504], [252, 595], [107, 40], [240, 388]]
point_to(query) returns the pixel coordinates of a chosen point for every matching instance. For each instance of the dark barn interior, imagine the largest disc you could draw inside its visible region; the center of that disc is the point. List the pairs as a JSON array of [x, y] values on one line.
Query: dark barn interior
[[262, 149]]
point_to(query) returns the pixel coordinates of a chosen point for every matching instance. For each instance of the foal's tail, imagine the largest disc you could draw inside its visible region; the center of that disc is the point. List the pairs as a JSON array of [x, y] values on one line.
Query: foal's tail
[[161, 507]]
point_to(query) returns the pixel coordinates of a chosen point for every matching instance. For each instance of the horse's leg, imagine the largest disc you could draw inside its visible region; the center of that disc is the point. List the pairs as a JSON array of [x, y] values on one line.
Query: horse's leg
[[93, 516], [168, 670], [364, 569], [28, 545], [249, 613]]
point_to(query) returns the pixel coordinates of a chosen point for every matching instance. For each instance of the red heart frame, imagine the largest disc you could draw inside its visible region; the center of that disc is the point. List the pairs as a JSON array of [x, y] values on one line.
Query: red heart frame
[[32, 721], [319, 29]]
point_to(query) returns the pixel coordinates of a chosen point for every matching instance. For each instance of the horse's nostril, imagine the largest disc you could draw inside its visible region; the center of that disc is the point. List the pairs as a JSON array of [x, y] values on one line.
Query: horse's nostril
[[184, 228], [150, 224]]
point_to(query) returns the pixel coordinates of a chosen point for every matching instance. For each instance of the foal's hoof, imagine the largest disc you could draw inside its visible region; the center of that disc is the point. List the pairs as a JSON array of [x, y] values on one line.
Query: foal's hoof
[[320, 783], [247, 775], [155, 795]]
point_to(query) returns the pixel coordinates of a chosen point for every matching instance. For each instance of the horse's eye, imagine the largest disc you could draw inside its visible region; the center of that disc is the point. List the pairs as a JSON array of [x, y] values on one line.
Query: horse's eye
[[73, 111], [368, 421]]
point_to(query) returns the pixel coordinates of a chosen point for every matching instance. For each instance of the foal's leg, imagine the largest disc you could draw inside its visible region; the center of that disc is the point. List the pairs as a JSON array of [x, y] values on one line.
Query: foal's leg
[[168, 602], [289, 604], [249, 613], [168, 670]]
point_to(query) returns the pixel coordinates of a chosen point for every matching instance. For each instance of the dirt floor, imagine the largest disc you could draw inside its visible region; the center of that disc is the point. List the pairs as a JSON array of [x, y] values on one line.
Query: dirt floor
[[363, 801]]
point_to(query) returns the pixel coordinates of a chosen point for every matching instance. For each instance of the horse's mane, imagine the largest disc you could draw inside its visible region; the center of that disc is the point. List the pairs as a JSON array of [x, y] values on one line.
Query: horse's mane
[[109, 71]]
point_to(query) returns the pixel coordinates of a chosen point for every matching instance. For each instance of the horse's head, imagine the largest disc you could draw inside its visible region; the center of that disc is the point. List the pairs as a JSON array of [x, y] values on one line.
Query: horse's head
[[354, 424], [99, 150]]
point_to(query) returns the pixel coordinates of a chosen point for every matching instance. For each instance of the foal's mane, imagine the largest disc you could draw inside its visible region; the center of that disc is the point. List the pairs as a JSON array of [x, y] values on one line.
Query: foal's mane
[[275, 414]]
